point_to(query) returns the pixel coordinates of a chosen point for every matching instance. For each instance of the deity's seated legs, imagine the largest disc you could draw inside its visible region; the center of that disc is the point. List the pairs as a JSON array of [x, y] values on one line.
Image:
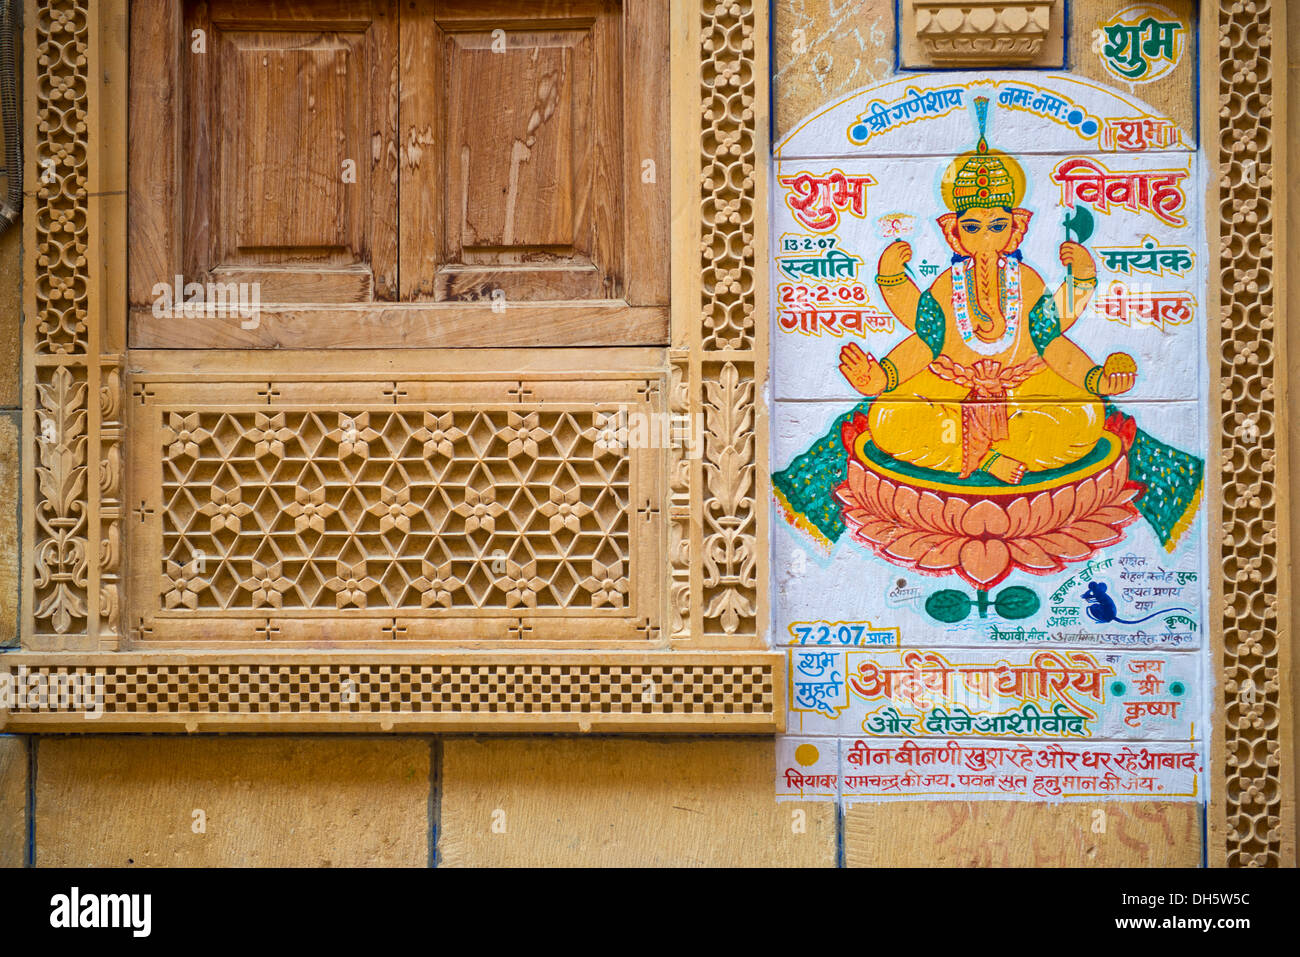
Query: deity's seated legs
[[1050, 423]]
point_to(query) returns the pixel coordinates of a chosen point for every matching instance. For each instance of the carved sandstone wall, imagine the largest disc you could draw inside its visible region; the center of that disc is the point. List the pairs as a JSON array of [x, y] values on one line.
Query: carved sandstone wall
[[302, 800]]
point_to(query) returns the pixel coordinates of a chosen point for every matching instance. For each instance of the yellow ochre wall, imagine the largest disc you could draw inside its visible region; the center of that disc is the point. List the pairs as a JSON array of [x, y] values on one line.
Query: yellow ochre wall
[[313, 800]]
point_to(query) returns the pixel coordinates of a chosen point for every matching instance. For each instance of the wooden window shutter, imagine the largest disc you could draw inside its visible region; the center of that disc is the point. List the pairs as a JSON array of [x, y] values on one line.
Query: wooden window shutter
[[431, 173]]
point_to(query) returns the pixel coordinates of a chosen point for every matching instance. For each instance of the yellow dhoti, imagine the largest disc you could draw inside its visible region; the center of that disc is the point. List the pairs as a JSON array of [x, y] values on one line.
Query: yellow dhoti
[[1049, 422]]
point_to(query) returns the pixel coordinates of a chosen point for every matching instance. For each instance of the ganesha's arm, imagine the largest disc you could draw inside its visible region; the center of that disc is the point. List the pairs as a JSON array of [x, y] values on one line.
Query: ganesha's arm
[[1065, 358], [1069, 361], [1082, 295], [873, 378], [905, 360], [901, 296]]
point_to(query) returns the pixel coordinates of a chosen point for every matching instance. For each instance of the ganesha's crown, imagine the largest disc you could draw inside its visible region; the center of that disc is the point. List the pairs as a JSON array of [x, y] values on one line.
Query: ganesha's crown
[[984, 177]]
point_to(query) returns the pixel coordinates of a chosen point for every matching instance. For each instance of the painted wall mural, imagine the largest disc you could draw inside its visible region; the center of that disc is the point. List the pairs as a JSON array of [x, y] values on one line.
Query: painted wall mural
[[989, 430]]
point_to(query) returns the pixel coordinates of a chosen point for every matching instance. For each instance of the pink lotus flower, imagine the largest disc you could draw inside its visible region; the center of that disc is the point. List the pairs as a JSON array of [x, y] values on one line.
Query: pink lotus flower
[[983, 538]]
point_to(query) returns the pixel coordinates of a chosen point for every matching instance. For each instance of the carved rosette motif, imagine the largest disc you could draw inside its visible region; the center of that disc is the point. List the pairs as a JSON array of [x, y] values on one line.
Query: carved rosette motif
[[1252, 708], [725, 352]]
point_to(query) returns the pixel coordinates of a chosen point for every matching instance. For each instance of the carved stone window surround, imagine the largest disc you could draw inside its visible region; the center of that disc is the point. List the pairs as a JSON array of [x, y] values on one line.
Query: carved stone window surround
[[701, 665]]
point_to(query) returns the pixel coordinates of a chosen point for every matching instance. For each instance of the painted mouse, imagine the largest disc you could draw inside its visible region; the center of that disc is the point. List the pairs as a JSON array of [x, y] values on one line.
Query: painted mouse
[[1101, 607]]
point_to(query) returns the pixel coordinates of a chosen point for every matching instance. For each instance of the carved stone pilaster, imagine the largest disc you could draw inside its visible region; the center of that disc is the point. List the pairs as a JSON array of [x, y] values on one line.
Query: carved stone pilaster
[[729, 345], [1253, 711], [73, 390]]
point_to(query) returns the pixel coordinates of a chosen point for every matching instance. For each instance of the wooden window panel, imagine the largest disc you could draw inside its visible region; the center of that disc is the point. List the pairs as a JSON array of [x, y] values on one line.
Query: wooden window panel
[[283, 97], [283, 91], [527, 143]]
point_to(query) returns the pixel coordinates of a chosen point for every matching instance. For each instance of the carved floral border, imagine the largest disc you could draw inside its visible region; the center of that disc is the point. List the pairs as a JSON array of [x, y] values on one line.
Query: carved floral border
[[73, 392]]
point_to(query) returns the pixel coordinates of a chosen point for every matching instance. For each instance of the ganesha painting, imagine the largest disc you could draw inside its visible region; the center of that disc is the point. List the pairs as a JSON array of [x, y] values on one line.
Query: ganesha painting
[[988, 441]]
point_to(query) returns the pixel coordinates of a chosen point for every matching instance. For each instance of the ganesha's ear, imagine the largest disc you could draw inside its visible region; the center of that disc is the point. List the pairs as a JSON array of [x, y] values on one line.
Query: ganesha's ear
[[948, 223], [1019, 226]]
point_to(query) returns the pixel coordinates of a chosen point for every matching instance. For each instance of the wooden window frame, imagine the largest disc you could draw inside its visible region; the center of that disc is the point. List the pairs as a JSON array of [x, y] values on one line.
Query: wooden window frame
[[708, 669]]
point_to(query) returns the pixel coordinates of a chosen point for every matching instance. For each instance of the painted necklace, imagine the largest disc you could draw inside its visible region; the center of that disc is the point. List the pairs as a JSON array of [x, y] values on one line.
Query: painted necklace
[[964, 301]]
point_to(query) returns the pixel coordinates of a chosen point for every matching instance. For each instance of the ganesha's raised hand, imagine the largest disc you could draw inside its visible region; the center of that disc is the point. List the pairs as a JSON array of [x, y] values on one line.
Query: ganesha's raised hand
[[893, 258], [862, 370], [1118, 373], [1075, 255]]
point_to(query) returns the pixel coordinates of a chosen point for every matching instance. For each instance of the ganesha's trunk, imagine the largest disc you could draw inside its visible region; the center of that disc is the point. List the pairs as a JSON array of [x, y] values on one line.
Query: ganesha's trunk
[[986, 283]]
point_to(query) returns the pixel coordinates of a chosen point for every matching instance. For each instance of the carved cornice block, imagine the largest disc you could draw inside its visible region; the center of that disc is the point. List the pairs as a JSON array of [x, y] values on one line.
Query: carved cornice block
[[981, 32]]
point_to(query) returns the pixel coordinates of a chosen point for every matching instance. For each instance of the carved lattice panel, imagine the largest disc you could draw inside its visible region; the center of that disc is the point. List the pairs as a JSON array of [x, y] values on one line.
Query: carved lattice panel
[[485, 510], [559, 691]]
